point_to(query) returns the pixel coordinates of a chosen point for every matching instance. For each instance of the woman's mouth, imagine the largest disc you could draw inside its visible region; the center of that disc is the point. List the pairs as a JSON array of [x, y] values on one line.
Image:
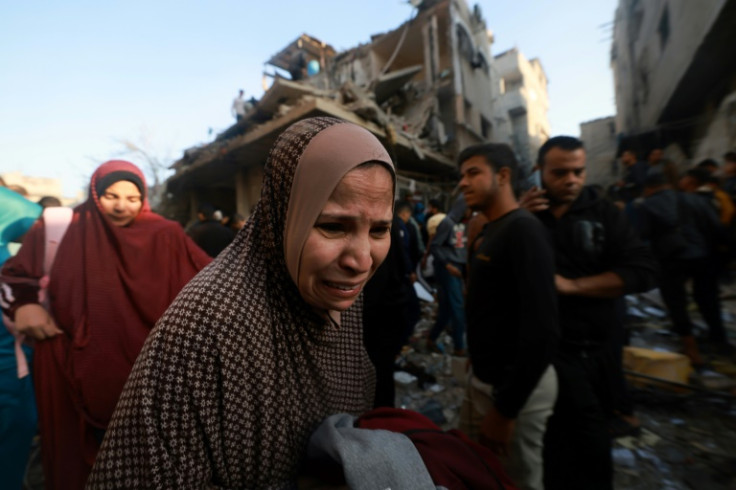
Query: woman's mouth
[[343, 287]]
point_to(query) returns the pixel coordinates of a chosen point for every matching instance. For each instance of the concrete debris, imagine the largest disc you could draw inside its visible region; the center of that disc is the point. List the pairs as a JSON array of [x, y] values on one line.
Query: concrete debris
[[656, 312], [686, 437], [404, 378], [713, 380], [624, 457]]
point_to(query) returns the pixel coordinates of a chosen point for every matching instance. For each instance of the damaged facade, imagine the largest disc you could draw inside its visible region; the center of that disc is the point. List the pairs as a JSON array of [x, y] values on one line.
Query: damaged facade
[[523, 102], [424, 89], [675, 77]]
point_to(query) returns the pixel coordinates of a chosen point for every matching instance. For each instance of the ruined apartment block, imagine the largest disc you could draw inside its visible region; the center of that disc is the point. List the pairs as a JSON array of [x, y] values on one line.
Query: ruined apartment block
[[424, 89]]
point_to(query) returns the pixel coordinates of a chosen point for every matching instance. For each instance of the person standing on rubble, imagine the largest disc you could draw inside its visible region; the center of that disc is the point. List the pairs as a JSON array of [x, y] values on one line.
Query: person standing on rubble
[[433, 216], [513, 386], [599, 259], [659, 164], [298, 65], [410, 234], [449, 251], [239, 107], [684, 231]]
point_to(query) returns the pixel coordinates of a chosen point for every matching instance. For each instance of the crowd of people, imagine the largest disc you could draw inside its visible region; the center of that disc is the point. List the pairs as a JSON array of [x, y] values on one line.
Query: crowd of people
[[688, 220], [165, 358]]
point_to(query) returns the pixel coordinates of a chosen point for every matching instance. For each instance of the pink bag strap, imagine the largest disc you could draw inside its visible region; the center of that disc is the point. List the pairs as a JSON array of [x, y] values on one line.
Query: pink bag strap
[[56, 221]]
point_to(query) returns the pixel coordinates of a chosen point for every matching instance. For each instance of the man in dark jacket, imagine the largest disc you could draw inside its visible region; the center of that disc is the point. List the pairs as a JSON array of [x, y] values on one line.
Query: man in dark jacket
[[599, 259], [211, 235], [410, 234], [684, 231], [388, 315]]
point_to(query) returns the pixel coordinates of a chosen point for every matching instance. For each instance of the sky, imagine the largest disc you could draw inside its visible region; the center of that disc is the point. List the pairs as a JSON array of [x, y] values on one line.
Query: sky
[[77, 78]]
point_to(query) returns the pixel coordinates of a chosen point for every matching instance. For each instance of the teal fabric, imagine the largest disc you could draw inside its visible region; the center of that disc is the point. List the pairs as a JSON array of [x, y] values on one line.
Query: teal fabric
[[17, 426], [17, 403], [17, 215]]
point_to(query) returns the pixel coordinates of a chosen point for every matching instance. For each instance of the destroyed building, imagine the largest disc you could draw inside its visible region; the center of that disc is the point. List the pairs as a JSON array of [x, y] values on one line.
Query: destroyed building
[[675, 77], [424, 89]]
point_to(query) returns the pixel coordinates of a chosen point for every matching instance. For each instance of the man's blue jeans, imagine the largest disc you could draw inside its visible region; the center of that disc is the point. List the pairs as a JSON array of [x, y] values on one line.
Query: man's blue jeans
[[451, 307]]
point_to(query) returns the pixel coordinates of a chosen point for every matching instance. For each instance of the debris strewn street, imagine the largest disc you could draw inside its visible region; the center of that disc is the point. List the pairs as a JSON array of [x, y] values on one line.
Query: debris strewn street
[[687, 438]]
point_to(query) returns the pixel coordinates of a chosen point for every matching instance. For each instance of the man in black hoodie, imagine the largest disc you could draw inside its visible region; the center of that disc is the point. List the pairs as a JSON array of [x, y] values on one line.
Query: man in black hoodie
[[599, 258], [684, 231]]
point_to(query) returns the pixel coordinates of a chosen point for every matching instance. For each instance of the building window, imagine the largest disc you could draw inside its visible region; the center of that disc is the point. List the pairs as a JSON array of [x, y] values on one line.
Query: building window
[[485, 127], [664, 28], [465, 44], [512, 84], [479, 61]]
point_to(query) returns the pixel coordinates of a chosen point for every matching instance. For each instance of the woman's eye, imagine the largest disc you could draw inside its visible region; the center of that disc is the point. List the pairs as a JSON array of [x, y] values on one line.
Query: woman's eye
[[330, 227], [380, 231]]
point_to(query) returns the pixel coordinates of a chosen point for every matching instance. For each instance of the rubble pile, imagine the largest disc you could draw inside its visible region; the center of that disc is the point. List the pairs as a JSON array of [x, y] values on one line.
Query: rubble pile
[[430, 383], [688, 435]]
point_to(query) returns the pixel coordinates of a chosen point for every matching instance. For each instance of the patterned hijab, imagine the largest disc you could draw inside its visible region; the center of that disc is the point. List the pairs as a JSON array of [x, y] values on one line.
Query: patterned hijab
[[240, 369]]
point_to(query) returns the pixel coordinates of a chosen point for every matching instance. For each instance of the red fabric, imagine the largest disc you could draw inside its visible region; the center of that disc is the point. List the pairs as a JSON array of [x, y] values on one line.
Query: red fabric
[[452, 459], [109, 285]]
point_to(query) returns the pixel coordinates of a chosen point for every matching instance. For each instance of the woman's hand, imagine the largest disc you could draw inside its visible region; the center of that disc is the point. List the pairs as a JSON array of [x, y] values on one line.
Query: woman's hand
[[33, 320]]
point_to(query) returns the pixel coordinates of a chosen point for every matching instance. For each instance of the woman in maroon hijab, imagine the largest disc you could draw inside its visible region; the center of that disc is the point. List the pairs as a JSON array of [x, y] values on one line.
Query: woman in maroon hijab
[[117, 269]]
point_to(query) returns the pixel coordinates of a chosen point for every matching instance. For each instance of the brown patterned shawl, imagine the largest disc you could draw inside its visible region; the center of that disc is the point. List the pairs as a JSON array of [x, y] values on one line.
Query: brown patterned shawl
[[240, 369]]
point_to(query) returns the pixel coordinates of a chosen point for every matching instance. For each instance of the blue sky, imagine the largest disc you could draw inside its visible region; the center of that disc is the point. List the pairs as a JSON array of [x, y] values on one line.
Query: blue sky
[[77, 77]]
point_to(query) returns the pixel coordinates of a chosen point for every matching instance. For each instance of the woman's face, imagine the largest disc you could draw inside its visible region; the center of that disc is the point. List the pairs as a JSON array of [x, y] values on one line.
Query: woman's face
[[349, 240], [121, 203]]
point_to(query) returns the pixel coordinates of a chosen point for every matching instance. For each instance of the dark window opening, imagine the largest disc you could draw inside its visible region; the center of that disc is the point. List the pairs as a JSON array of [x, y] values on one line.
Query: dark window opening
[[485, 127]]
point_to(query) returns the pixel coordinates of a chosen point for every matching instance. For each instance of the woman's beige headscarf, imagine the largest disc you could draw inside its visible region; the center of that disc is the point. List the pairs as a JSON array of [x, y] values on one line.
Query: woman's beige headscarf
[[240, 369], [332, 153]]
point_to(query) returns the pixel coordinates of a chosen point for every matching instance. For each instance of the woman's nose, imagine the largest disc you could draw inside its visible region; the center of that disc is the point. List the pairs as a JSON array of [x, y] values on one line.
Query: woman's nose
[[358, 254]]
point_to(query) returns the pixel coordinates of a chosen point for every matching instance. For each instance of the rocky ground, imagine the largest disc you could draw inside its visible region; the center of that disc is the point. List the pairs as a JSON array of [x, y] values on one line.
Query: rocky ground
[[687, 438]]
